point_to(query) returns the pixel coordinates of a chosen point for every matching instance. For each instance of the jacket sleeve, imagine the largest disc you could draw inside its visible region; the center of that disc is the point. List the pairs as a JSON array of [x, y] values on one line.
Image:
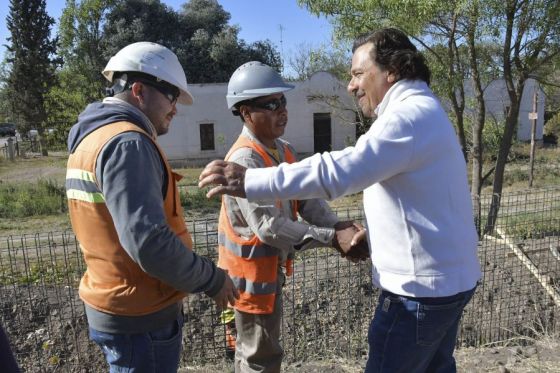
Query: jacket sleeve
[[130, 174], [269, 223], [384, 151]]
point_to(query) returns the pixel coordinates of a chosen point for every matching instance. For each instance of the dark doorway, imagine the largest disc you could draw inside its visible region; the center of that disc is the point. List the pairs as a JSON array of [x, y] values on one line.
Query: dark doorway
[[322, 139], [207, 136]]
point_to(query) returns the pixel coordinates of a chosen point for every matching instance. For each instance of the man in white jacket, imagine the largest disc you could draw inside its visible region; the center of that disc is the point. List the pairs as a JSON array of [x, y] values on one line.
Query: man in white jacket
[[416, 200]]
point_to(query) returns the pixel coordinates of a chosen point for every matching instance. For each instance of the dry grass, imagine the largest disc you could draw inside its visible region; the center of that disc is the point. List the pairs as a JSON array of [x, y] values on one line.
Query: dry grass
[[31, 170]]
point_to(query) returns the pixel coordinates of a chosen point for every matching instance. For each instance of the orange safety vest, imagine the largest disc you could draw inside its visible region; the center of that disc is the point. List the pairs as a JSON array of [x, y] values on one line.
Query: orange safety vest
[[251, 264], [113, 282]]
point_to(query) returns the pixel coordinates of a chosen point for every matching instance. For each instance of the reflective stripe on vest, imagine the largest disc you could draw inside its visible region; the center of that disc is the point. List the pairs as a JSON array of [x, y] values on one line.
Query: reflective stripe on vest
[[246, 251], [80, 185], [113, 283], [251, 264], [259, 288]]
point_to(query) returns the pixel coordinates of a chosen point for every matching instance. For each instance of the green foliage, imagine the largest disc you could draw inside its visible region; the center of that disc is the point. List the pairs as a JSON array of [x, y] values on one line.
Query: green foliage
[[208, 48], [65, 101], [308, 60], [492, 133], [533, 226], [56, 272], [81, 37], [195, 199], [23, 200], [79, 81], [130, 21], [32, 67], [552, 126], [354, 17]]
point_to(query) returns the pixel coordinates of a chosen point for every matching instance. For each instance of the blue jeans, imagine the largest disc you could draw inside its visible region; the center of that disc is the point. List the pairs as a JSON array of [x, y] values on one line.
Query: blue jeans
[[415, 334], [157, 351]]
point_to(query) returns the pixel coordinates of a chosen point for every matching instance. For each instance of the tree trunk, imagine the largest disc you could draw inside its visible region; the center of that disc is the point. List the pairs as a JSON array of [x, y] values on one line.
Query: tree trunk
[[457, 94], [43, 147], [478, 125], [511, 118], [505, 146]]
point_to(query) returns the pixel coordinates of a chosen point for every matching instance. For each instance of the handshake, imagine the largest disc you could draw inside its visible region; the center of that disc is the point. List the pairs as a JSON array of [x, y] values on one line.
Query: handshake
[[350, 241]]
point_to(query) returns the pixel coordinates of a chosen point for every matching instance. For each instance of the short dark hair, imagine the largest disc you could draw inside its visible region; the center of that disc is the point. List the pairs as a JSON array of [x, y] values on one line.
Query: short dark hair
[[394, 52]]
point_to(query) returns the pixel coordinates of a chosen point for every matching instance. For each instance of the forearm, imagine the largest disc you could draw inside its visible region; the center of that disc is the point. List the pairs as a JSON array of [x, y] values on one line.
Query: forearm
[[317, 212], [130, 173], [275, 227], [163, 255], [380, 154]]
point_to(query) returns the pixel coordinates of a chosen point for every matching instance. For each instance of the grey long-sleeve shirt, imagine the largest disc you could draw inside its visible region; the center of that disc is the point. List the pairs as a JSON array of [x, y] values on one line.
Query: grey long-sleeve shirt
[[273, 225], [130, 173]]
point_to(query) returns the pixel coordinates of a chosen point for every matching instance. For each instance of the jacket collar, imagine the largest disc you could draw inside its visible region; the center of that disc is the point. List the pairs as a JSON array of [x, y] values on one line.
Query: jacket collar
[[400, 91], [125, 105]]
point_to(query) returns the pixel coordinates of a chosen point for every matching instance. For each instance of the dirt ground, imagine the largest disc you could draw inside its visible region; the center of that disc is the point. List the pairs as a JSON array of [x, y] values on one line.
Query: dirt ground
[[541, 356]]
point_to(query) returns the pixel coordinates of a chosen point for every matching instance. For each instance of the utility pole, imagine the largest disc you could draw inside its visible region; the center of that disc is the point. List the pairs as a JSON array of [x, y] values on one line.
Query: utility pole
[[281, 28], [533, 116]]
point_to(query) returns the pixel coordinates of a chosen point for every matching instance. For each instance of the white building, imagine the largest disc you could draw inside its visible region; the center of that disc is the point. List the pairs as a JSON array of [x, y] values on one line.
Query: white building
[[321, 117], [497, 104]]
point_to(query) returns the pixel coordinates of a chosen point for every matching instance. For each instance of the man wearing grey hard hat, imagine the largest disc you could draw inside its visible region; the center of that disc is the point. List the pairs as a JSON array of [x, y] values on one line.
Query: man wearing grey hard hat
[[257, 240], [125, 211]]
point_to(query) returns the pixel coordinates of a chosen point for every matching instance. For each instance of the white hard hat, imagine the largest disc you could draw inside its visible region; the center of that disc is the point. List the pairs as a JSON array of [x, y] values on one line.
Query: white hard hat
[[254, 79], [152, 59]]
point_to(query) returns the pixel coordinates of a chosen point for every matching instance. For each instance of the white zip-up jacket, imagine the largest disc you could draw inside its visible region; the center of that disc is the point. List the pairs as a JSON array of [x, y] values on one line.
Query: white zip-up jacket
[[416, 197]]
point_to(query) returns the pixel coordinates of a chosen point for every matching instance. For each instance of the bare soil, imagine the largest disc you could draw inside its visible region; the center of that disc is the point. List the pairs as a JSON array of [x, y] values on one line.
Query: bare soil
[[49, 334], [541, 356]]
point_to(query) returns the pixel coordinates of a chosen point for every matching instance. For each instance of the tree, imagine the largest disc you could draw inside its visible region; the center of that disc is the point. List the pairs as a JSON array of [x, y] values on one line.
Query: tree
[[130, 21], [79, 82], [306, 61], [210, 49], [206, 15], [529, 31], [31, 55], [436, 27], [82, 44], [5, 109]]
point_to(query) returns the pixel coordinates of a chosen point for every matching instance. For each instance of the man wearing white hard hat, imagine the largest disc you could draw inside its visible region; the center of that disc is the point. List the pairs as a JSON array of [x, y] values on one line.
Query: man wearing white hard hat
[[125, 211]]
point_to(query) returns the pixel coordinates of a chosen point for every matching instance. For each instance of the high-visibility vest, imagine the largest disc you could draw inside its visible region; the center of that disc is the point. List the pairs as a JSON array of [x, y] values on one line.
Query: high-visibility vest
[[113, 282], [252, 264]]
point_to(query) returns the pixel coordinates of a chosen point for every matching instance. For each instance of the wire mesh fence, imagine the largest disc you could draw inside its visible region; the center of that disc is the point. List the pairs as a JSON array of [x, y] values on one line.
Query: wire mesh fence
[[328, 302]]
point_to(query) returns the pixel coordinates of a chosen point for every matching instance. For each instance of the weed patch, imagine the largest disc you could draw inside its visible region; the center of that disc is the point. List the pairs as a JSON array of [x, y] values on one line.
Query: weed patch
[[195, 199], [45, 197]]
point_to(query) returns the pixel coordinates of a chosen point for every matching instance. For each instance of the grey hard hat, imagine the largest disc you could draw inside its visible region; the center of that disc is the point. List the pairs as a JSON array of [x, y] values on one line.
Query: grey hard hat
[[254, 79]]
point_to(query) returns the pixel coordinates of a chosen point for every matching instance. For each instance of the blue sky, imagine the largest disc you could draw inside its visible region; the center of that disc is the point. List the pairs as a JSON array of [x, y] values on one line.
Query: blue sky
[[258, 20]]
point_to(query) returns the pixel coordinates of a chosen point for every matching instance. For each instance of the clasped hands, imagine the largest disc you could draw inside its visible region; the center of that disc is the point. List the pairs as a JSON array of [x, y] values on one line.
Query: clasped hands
[[350, 241], [350, 238]]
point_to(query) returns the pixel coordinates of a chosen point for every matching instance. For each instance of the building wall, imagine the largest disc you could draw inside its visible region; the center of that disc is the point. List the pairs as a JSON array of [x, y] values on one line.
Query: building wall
[[322, 93], [497, 102]]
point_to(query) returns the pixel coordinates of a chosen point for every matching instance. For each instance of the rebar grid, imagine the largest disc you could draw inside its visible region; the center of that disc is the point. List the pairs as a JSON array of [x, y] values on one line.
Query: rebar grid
[[328, 302]]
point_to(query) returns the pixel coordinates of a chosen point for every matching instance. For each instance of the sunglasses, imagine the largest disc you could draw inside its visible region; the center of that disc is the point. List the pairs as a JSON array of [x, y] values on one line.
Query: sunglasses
[[170, 92], [270, 105]]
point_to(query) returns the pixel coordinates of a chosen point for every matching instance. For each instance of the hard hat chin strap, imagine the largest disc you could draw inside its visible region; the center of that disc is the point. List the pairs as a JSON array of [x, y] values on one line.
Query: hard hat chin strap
[[120, 84]]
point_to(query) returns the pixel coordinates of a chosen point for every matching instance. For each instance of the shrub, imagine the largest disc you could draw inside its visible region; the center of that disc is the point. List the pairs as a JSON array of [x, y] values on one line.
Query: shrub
[[196, 200], [24, 200]]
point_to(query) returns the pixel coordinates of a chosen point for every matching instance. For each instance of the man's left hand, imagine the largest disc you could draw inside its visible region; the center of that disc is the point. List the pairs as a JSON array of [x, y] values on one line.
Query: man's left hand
[[229, 176], [349, 241]]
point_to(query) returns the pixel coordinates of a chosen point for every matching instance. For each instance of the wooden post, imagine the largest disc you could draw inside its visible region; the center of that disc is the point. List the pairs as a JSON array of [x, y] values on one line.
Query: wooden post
[[11, 151], [533, 117]]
